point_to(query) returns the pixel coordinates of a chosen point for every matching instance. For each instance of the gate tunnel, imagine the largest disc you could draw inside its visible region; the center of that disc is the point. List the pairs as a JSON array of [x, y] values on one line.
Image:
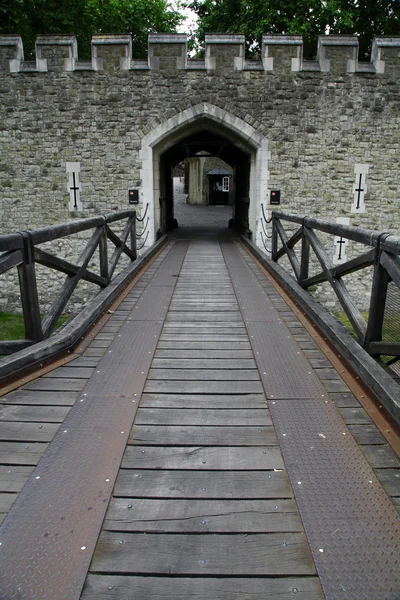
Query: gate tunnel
[[210, 144], [204, 128]]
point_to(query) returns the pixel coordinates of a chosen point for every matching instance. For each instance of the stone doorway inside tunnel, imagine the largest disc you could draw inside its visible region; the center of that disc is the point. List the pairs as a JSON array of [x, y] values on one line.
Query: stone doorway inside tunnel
[[199, 134]]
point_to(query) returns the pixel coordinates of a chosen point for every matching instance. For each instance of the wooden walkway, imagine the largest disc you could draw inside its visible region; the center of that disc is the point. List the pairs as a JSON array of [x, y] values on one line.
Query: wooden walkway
[[206, 502]]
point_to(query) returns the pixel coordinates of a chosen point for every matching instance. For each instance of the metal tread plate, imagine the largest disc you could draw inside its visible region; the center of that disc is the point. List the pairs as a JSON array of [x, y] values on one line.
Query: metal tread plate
[[284, 369], [352, 526], [48, 538]]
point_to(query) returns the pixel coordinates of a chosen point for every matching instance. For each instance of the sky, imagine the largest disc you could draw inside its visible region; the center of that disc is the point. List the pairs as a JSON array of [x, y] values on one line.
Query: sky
[[188, 24]]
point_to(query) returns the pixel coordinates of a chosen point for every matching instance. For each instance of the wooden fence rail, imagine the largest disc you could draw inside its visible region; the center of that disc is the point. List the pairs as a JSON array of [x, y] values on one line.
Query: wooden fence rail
[[21, 250], [382, 252]]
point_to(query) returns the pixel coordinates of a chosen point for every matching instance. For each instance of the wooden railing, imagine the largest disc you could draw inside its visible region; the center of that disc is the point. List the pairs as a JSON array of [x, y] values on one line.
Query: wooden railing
[[21, 251], [382, 252]]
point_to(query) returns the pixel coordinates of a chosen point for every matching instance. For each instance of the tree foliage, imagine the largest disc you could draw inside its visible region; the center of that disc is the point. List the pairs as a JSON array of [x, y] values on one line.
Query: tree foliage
[[309, 18], [85, 18]]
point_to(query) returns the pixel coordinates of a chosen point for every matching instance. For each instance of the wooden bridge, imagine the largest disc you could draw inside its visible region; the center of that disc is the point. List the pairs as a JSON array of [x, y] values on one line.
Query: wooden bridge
[[204, 440]]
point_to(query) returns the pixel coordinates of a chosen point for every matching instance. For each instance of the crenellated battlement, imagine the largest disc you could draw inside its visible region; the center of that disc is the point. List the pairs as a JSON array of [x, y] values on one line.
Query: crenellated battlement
[[336, 54]]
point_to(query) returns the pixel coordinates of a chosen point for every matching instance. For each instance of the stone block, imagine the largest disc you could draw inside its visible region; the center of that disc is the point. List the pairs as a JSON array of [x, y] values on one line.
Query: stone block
[[385, 55], [111, 53], [167, 51], [338, 53], [11, 53], [56, 52], [282, 52], [224, 51]]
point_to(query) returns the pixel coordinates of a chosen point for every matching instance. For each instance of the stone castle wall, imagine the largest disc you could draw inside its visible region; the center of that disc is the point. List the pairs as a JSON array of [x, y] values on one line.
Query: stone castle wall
[[322, 120]]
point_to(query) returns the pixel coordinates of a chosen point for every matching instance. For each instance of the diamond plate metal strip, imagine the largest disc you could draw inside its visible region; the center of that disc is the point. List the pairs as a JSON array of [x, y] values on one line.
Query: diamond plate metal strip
[[168, 274], [152, 304], [48, 538], [252, 298], [284, 369], [351, 524]]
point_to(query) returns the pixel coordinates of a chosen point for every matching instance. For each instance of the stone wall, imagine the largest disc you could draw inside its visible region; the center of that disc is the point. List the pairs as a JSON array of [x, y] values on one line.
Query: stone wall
[[320, 121]]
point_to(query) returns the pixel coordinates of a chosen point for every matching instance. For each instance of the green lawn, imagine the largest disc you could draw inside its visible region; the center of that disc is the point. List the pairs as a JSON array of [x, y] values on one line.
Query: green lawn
[[12, 326]]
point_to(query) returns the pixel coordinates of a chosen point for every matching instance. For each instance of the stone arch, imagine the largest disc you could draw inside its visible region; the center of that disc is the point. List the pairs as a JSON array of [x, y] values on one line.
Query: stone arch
[[168, 133]]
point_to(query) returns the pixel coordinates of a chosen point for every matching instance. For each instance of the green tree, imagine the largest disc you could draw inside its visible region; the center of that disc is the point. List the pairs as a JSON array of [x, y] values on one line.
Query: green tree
[[85, 18], [308, 18]]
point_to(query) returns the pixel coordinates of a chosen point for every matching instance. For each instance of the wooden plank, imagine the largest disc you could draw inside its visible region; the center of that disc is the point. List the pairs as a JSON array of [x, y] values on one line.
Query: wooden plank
[[319, 363], [194, 316], [345, 399], [6, 502], [164, 416], [231, 344], [21, 453], [355, 416], [332, 385], [203, 363], [85, 361], [203, 375], [30, 414], [390, 479], [204, 327], [204, 401], [254, 554], [182, 307], [98, 587], [327, 373], [55, 384], [381, 457], [162, 483], [367, 434], [204, 387], [201, 436], [13, 478], [202, 516], [71, 372], [28, 432], [203, 354], [213, 337], [97, 343], [193, 331], [203, 458], [39, 398], [94, 352]]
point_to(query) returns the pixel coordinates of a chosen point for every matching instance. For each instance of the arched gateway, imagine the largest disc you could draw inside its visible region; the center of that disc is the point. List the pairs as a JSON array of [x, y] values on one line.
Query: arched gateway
[[204, 127]]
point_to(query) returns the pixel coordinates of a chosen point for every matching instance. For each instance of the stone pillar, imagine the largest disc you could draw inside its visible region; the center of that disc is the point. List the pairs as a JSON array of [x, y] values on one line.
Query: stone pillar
[[196, 165]]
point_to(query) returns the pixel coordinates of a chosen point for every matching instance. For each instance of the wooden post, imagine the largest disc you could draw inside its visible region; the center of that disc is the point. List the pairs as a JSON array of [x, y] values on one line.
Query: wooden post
[[103, 254], [29, 294], [377, 305], [274, 248], [305, 257], [133, 238]]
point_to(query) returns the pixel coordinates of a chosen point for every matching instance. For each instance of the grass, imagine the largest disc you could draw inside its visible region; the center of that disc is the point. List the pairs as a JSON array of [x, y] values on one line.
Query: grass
[[345, 321], [391, 325], [12, 326]]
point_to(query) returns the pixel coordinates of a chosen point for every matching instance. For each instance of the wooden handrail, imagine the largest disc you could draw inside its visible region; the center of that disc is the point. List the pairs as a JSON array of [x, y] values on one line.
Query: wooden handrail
[[20, 250], [384, 255]]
